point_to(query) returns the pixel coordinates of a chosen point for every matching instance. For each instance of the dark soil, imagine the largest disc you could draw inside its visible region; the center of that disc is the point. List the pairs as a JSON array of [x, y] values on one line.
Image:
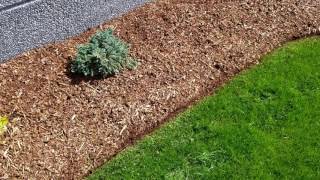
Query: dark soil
[[63, 127]]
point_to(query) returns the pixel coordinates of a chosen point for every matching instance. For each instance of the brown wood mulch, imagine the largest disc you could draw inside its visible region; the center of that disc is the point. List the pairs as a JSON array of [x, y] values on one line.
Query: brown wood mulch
[[63, 127]]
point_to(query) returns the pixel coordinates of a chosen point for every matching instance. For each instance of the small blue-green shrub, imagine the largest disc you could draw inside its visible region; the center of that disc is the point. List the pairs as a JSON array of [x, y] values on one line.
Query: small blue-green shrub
[[104, 55]]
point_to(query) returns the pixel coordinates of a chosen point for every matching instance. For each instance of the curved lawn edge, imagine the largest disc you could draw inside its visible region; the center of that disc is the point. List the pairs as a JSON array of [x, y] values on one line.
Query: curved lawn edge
[[262, 124], [186, 49]]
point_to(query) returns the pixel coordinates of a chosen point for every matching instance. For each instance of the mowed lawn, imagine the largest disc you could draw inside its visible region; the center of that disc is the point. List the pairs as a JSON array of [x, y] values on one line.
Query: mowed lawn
[[264, 124]]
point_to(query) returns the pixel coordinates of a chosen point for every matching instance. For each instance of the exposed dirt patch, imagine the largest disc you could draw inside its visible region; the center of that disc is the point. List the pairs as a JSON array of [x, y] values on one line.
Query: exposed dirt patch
[[65, 127]]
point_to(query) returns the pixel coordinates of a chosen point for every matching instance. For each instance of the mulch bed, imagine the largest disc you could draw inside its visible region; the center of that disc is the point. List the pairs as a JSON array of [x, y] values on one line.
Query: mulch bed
[[64, 126]]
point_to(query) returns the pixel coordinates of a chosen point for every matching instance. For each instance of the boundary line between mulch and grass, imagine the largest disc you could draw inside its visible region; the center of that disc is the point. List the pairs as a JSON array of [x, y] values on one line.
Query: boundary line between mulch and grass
[[295, 50]]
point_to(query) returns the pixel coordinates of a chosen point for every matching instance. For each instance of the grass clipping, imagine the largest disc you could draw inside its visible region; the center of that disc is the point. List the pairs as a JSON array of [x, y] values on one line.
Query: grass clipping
[[3, 124]]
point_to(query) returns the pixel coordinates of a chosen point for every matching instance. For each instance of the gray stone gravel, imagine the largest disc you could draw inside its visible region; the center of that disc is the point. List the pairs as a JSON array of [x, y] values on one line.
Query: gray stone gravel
[[26, 24], [10, 3]]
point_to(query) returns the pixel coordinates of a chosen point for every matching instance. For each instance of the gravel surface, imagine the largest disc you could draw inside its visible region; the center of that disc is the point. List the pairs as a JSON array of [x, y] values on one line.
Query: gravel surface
[[26, 24], [63, 127]]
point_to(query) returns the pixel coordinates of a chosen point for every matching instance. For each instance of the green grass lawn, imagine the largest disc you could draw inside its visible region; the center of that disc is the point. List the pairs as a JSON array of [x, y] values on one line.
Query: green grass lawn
[[264, 124]]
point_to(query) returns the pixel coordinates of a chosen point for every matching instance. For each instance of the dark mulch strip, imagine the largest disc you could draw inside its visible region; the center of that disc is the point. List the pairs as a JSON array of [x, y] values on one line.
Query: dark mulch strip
[[64, 126]]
